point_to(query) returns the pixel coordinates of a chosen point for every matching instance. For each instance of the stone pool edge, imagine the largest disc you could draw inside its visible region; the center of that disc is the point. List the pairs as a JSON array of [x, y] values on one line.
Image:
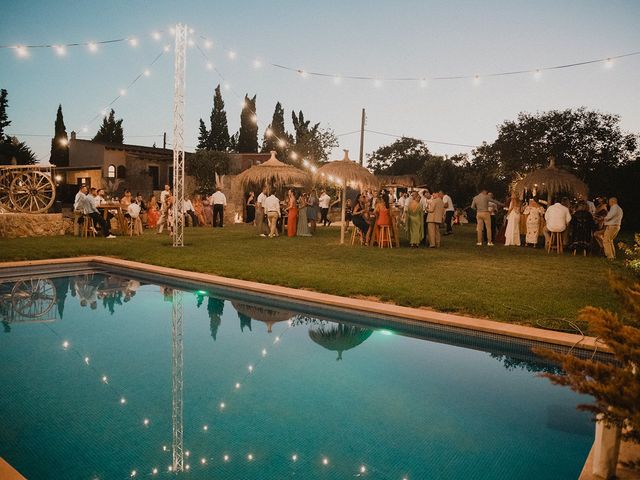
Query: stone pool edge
[[428, 316]]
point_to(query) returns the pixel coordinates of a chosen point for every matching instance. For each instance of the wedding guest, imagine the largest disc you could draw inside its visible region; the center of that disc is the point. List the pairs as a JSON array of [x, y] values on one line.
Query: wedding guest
[[414, 220], [612, 223], [534, 213], [557, 217], [292, 214], [357, 215], [325, 202], [449, 211], [303, 221], [251, 209], [219, 201], [512, 233], [312, 210], [198, 208], [272, 208], [480, 204], [435, 217], [582, 228], [153, 214], [260, 213]]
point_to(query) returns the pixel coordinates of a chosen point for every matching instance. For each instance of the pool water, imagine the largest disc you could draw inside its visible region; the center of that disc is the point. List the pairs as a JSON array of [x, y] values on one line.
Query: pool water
[[87, 392]]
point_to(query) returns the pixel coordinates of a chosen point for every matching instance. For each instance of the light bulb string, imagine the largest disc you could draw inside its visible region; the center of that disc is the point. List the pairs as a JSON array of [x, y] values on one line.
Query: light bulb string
[[131, 84], [366, 77]]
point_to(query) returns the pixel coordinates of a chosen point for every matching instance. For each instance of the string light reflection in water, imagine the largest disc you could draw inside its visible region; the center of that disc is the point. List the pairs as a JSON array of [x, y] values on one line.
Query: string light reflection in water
[[391, 407]]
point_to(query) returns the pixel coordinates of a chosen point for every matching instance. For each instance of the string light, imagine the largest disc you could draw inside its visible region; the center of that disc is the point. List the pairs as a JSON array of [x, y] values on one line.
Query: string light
[[65, 344], [423, 83], [250, 457], [123, 401], [225, 458], [325, 461], [166, 48], [208, 44], [123, 92], [146, 72], [60, 50], [205, 428], [93, 47], [209, 66], [363, 469], [257, 63], [232, 55], [608, 63], [237, 386], [222, 404], [203, 461], [105, 379], [294, 457], [22, 51], [86, 360], [156, 35], [282, 143], [145, 422], [264, 352], [133, 42], [133, 473], [154, 471]]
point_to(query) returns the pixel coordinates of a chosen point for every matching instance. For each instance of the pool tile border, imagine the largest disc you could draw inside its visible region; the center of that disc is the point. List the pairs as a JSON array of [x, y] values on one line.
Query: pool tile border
[[520, 332]]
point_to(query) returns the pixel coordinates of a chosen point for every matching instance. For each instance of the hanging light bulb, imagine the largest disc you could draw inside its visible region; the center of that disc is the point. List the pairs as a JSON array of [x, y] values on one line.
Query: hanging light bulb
[[227, 86], [60, 50], [86, 360], [250, 368], [123, 92], [156, 35], [303, 73], [264, 352], [190, 42], [166, 48], [133, 473], [608, 63], [232, 55], [293, 155], [250, 457], [93, 47], [294, 457], [257, 63], [337, 80], [205, 428], [325, 461], [222, 404], [154, 471], [237, 385], [537, 74], [133, 42], [123, 400], [146, 72], [476, 79], [363, 469], [203, 461], [225, 458], [208, 44], [423, 83], [22, 51], [65, 344], [209, 66], [105, 379], [145, 422]]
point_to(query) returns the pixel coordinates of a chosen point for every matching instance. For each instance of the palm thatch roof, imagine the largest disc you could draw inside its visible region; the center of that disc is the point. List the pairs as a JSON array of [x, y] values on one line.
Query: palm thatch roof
[[270, 316], [346, 171], [339, 337], [551, 180], [403, 181], [272, 173]]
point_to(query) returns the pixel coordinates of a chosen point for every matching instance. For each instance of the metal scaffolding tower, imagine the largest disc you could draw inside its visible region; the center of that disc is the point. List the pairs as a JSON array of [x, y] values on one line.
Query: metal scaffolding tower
[[178, 133], [177, 374]]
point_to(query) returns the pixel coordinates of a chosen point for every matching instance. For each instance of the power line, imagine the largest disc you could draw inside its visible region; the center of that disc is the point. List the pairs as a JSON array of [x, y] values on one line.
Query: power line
[[422, 139]]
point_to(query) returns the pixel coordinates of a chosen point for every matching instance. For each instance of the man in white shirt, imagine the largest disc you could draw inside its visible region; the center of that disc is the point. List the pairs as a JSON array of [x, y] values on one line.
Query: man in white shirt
[[448, 212], [219, 201], [260, 212], [272, 208], [76, 200], [164, 194], [324, 202], [188, 211], [557, 218], [86, 206], [612, 223]]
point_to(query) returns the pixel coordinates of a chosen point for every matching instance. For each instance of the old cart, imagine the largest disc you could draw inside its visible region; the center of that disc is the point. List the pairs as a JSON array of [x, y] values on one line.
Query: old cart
[[26, 188]]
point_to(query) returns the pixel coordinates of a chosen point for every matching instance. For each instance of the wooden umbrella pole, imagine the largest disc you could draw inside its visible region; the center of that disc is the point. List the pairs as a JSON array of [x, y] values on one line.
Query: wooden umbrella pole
[[344, 209]]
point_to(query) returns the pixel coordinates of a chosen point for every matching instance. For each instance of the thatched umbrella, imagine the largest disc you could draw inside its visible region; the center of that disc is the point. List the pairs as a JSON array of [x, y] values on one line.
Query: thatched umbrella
[[402, 181], [273, 173], [345, 172], [339, 337], [551, 180], [270, 316]]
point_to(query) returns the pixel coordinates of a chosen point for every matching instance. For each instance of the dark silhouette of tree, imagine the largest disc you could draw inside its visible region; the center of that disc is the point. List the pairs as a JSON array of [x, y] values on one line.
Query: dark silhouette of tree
[[111, 130], [4, 119], [60, 142], [248, 133], [203, 136], [276, 133], [311, 142], [219, 131]]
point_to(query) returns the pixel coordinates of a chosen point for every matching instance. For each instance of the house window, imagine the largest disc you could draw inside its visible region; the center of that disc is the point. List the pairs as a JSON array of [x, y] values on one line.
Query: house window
[[121, 171], [111, 171]]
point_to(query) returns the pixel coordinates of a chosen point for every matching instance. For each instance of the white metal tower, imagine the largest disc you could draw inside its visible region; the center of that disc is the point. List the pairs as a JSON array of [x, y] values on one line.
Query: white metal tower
[[177, 365], [178, 133]]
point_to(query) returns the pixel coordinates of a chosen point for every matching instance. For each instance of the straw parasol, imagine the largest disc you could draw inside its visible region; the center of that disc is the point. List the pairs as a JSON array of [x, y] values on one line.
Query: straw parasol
[[402, 181], [346, 172], [273, 173], [270, 316], [339, 337], [551, 180]]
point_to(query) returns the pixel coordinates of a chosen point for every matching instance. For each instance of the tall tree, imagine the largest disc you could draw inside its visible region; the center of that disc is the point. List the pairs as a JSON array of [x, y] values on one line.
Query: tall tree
[[4, 120], [203, 166], [405, 156], [311, 142], [275, 134], [248, 134], [12, 150], [60, 142], [219, 132], [111, 130], [203, 136]]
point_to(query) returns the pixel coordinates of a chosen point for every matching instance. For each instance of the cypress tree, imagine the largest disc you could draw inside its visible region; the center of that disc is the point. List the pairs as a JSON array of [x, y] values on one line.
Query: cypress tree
[[110, 131], [276, 132], [4, 121], [219, 134], [248, 134], [203, 136], [60, 142]]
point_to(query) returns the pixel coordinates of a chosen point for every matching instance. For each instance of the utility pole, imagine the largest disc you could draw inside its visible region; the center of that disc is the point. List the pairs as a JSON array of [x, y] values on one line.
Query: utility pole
[[364, 119], [164, 141]]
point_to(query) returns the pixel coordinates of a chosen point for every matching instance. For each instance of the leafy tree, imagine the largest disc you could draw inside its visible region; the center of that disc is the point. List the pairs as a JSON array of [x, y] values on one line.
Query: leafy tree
[[405, 156], [111, 130], [219, 132], [614, 386], [275, 133], [312, 142], [203, 166], [588, 143], [233, 142], [248, 134], [4, 120], [203, 136], [60, 142]]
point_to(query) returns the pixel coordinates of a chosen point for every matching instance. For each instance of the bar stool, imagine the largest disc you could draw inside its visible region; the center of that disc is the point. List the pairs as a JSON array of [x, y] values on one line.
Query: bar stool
[[88, 227], [384, 236], [555, 242], [356, 235]]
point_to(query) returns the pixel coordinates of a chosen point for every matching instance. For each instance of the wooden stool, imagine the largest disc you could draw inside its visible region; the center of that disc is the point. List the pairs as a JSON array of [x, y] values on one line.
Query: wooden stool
[[555, 242], [356, 234], [135, 226], [88, 227], [384, 236]]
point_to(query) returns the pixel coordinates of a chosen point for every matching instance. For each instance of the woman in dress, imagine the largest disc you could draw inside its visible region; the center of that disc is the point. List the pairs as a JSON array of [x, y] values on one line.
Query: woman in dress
[[153, 215], [382, 214], [312, 210], [251, 209], [512, 233], [303, 221], [534, 214], [198, 207], [414, 217], [292, 212], [582, 228], [357, 216]]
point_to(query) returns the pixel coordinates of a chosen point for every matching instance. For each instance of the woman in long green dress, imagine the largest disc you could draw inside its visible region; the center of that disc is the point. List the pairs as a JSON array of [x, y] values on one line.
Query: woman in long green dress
[[303, 221], [415, 221]]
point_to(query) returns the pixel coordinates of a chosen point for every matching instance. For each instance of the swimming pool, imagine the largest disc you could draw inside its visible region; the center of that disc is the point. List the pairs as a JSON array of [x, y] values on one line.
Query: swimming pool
[[93, 387]]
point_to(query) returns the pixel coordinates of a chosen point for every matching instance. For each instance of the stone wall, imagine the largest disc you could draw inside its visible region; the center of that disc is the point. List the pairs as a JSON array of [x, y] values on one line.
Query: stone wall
[[16, 225]]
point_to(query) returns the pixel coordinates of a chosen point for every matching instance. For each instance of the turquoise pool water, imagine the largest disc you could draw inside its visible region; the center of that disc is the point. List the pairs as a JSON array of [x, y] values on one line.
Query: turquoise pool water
[[315, 399]]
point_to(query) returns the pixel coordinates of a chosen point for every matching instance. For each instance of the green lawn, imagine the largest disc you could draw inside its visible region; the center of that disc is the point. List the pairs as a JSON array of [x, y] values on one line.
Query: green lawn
[[510, 284]]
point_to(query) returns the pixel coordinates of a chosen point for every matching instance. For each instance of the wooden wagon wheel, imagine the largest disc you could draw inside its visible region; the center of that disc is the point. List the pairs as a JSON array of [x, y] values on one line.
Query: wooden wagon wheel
[[32, 192], [5, 184], [33, 298]]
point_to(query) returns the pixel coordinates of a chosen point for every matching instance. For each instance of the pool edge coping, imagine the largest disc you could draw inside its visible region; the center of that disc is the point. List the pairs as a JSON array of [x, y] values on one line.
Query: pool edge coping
[[367, 306]]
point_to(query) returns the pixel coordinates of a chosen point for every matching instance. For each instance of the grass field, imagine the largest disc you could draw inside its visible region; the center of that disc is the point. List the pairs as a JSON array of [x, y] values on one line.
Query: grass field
[[509, 284]]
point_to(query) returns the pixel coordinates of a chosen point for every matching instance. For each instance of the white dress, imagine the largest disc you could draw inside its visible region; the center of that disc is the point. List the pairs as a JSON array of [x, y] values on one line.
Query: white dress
[[512, 234]]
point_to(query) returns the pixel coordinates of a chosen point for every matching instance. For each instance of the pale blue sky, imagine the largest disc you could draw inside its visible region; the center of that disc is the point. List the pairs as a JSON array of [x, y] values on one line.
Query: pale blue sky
[[376, 38]]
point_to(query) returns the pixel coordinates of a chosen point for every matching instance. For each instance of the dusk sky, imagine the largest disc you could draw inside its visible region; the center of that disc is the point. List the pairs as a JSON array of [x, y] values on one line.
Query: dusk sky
[[366, 38]]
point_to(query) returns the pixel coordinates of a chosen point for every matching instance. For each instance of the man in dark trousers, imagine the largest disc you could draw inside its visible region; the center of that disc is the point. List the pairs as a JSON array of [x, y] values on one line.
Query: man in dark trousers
[[219, 201]]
